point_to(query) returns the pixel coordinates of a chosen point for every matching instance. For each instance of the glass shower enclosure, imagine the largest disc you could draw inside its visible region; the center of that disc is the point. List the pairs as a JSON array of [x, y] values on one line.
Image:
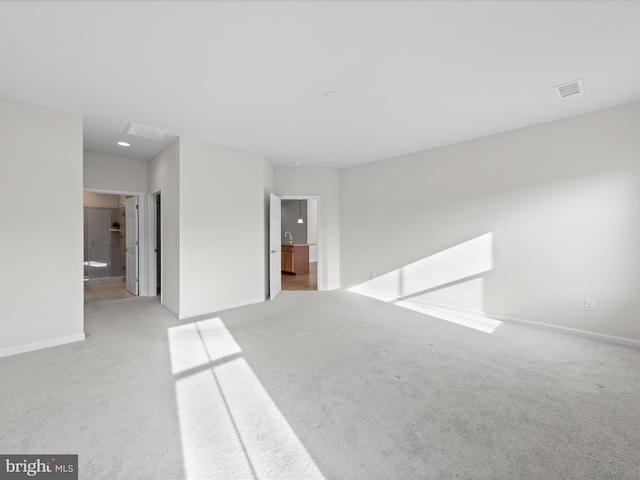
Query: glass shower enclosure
[[104, 244]]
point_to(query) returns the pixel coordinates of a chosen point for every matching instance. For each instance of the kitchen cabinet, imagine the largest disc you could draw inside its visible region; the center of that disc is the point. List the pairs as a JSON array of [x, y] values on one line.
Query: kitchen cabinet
[[295, 259]]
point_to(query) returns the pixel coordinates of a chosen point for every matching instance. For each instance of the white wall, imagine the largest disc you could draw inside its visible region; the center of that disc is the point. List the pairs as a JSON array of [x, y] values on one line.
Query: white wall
[[41, 245], [324, 182], [312, 229], [106, 172], [291, 211], [561, 199], [267, 177], [222, 227], [118, 174], [164, 176], [102, 200]]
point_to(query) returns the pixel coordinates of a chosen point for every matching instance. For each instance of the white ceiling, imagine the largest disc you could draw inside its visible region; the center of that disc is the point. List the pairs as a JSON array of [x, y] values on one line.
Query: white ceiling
[[408, 75]]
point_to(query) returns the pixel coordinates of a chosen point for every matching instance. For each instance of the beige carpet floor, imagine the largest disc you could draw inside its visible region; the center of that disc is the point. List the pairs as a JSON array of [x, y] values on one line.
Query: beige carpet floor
[[323, 385]]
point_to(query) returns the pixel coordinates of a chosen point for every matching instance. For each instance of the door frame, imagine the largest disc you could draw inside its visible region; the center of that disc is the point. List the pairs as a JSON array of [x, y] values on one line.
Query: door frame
[[275, 246], [153, 242], [132, 233], [143, 280], [321, 250]]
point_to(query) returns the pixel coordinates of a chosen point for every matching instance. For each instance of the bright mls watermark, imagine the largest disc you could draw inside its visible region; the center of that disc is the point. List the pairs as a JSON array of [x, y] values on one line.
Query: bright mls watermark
[[49, 467]]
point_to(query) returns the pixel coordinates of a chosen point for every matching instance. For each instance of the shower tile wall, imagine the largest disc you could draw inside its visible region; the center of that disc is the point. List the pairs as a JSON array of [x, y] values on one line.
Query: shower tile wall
[[103, 246], [116, 238]]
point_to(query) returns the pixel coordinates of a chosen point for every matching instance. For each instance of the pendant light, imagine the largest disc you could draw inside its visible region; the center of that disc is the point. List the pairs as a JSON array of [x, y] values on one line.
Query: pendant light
[[300, 217]]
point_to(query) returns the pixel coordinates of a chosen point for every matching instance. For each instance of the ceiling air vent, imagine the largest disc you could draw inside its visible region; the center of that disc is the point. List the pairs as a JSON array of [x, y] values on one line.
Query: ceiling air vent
[[144, 131], [569, 89]]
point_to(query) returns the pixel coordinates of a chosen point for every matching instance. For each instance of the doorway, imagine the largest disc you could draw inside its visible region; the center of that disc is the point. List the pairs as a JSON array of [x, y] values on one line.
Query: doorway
[[110, 246], [299, 241]]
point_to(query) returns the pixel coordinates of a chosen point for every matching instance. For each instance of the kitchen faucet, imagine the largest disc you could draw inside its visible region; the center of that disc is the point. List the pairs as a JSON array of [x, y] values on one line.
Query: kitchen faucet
[[290, 236]]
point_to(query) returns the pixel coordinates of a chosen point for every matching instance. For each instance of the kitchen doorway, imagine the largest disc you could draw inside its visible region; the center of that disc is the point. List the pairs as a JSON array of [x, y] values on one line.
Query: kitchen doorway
[[299, 240]]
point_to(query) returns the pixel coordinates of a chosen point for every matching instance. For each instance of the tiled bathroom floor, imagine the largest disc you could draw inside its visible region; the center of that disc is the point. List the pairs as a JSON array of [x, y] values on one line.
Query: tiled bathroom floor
[[108, 291]]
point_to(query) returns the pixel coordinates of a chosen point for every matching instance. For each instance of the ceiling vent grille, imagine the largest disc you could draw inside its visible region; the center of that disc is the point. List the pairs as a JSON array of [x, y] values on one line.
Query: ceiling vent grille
[[569, 89], [144, 131]]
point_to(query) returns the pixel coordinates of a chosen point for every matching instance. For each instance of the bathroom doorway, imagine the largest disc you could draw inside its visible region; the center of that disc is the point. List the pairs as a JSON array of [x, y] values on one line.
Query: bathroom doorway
[[110, 246]]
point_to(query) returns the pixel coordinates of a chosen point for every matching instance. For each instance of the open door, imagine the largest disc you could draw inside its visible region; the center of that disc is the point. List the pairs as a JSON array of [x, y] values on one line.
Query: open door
[[275, 280], [131, 239]]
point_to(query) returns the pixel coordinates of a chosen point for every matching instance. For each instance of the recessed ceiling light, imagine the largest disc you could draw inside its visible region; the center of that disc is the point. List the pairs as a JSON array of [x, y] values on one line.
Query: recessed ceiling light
[[297, 164], [124, 144], [330, 94]]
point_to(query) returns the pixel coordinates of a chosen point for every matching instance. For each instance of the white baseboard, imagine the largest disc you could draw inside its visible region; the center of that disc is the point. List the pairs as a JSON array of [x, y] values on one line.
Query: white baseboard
[[384, 297], [219, 308], [30, 347], [629, 342], [174, 314]]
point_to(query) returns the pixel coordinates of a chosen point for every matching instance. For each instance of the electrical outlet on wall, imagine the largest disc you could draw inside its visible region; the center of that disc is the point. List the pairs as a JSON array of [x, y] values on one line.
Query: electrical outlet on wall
[[372, 275], [590, 304]]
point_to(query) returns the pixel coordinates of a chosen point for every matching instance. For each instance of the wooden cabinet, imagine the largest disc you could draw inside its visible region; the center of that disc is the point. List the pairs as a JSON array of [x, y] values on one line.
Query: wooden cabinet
[[287, 259], [295, 259]]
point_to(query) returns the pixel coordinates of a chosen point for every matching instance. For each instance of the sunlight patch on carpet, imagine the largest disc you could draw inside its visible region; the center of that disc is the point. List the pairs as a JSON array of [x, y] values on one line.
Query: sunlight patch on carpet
[[470, 320], [199, 343], [450, 277], [229, 425]]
